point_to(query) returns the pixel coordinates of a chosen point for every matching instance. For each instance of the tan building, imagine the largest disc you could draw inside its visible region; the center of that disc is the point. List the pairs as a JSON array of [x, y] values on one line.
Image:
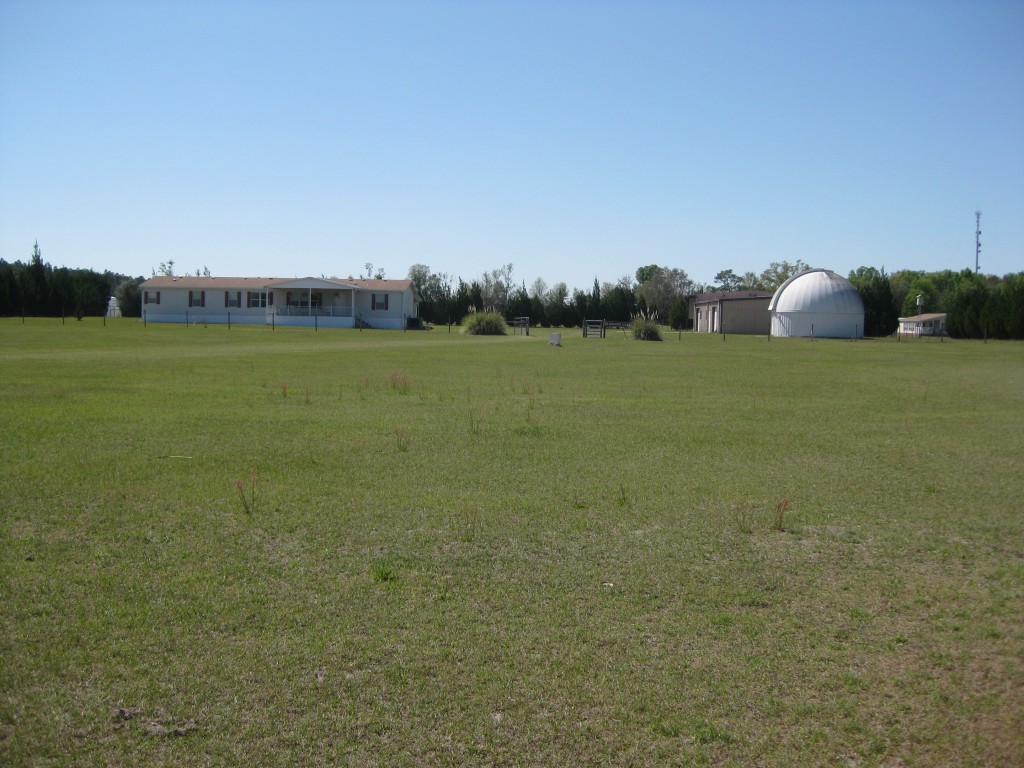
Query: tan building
[[732, 312], [932, 324]]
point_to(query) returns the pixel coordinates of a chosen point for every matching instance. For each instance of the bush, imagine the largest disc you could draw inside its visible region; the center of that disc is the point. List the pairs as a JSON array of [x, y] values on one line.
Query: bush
[[485, 324], [645, 330]]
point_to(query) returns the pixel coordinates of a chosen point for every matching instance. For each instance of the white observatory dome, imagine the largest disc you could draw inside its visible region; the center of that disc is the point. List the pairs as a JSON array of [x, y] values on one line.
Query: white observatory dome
[[817, 303]]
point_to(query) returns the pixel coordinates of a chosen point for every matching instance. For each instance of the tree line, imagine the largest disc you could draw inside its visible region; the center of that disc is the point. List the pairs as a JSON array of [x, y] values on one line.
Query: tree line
[[655, 292], [38, 288], [976, 305]]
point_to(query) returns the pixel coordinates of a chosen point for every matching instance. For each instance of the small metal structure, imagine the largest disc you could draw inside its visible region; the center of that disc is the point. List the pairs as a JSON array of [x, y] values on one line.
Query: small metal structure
[[521, 325], [595, 328]]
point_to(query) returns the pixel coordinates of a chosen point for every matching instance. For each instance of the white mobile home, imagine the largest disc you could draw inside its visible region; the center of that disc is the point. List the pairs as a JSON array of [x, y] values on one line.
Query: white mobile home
[[307, 301]]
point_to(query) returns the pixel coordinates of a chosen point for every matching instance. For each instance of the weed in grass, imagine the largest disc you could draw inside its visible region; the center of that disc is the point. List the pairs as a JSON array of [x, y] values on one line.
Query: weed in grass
[[851, 681], [469, 530], [402, 437], [383, 573], [710, 733], [154, 540], [528, 430], [779, 522], [742, 518], [474, 422], [400, 383], [284, 390], [249, 497], [307, 396], [623, 499], [664, 728]]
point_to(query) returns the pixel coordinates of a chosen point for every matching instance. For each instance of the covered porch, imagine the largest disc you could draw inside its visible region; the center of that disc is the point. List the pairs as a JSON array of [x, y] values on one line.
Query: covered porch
[[313, 301]]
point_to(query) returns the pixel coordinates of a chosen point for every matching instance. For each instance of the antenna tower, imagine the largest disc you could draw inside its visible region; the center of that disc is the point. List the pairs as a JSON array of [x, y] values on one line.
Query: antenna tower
[[977, 240]]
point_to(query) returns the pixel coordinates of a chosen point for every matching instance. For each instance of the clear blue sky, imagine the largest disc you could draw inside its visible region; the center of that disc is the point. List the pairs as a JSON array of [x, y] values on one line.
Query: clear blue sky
[[572, 139]]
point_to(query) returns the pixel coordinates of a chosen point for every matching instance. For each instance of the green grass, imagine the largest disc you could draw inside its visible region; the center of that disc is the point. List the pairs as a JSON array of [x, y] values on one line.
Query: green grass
[[452, 550]]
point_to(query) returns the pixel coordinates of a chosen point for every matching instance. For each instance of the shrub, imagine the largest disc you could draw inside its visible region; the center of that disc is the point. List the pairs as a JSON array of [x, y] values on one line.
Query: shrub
[[645, 330], [485, 324]]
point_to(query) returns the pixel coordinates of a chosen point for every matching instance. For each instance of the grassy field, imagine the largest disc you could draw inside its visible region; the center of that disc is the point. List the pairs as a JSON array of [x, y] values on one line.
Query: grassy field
[[284, 547]]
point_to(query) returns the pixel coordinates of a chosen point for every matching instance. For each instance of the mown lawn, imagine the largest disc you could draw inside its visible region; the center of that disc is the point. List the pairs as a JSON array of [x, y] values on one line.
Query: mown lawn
[[489, 551]]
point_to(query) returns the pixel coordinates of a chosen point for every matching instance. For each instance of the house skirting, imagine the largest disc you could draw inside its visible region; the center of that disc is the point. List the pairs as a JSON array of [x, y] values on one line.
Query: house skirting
[[297, 321]]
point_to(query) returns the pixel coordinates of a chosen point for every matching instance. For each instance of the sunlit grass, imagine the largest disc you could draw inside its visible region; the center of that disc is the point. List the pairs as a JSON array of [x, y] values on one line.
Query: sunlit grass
[[459, 550]]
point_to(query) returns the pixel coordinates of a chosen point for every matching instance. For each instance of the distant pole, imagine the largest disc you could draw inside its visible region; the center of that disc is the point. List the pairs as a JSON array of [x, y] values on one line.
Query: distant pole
[[977, 241], [62, 315], [229, 321]]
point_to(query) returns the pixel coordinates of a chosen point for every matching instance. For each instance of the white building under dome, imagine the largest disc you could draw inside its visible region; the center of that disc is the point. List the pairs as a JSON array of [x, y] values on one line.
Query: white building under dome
[[817, 303]]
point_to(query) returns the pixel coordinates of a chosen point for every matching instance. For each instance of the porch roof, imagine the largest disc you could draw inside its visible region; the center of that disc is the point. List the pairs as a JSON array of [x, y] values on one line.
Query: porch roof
[[931, 316], [315, 283]]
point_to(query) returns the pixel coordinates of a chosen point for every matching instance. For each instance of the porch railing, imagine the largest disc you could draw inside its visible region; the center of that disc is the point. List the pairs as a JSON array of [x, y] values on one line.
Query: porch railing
[[302, 311]]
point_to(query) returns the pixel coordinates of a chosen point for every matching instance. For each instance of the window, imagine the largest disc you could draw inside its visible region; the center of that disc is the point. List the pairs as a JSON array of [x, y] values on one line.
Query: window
[[302, 299], [256, 299], [151, 297], [233, 299], [379, 301], [197, 298]]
